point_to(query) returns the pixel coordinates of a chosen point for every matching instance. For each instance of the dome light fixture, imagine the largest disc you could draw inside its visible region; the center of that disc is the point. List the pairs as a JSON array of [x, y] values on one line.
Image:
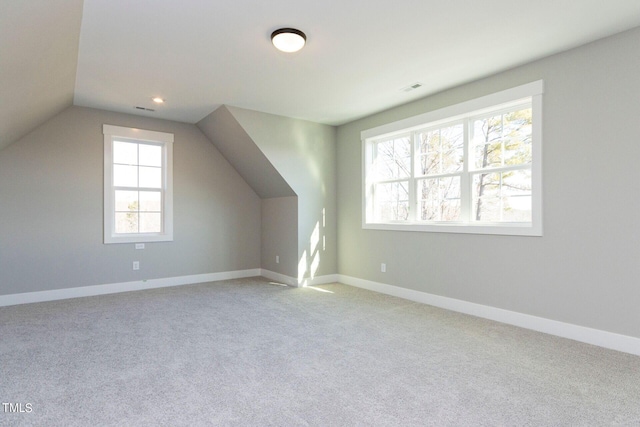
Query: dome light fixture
[[288, 39], [158, 100]]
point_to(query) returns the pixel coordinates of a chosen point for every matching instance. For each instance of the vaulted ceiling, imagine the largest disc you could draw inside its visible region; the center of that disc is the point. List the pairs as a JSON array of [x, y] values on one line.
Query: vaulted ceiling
[[198, 55]]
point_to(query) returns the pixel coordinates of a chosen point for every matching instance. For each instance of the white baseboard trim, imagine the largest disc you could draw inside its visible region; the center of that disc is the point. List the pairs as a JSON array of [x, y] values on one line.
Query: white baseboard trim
[[584, 334], [323, 280], [112, 288], [292, 281], [278, 277]]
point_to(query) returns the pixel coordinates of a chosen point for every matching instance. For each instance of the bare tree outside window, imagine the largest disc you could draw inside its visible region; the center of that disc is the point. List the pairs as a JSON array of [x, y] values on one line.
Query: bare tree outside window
[[503, 141], [392, 167], [474, 167], [441, 152]]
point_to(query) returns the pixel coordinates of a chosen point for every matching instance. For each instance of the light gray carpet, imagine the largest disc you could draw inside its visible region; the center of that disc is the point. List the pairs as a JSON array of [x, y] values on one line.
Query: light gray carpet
[[247, 352]]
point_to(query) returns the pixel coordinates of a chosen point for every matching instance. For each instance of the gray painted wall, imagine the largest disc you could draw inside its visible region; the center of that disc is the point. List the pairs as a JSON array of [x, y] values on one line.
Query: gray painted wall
[[279, 217], [280, 235], [241, 151], [51, 198], [585, 269], [304, 153]]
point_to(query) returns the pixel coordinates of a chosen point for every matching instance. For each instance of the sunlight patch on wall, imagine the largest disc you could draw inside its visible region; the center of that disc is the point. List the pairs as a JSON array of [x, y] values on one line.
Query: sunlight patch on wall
[[315, 238], [302, 267], [315, 263]]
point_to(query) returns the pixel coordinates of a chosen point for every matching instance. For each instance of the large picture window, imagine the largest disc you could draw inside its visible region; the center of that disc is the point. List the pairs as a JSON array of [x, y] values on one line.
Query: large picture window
[[138, 185], [474, 167]]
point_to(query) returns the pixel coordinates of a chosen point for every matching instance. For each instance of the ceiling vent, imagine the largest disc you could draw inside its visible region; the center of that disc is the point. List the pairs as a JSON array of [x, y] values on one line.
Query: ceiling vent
[[414, 86], [145, 109]]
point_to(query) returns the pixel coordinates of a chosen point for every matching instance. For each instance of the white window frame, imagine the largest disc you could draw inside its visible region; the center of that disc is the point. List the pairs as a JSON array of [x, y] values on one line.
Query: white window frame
[[531, 92], [165, 140]]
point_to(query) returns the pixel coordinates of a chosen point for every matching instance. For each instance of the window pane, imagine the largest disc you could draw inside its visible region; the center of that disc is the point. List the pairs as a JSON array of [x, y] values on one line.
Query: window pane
[[486, 138], [150, 223], [502, 197], [430, 163], [486, 197], [430, 195], [516, 196], [150, 177], [451, 137], [486, 130], [442, 150], [391, 201], [488, 155], [125, 176], [450, 210], [440, 199], [517, 137], [452, 161], [393, 159], [430, 142], [125, 153], [126, 200], [488, 209], [150, 155], [126, 222], [150, 201]]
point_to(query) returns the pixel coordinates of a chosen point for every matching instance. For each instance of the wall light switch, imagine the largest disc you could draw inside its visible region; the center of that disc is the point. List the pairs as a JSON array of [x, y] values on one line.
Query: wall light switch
[[277, 259], [383, 267]]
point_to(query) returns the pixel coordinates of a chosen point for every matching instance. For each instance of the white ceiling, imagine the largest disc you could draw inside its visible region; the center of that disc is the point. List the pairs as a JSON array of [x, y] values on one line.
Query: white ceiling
[[201, 54]]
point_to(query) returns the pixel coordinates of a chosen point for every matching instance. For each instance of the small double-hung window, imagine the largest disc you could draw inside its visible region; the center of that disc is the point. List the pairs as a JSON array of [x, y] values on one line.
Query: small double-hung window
[[138, 190], [474, 167]]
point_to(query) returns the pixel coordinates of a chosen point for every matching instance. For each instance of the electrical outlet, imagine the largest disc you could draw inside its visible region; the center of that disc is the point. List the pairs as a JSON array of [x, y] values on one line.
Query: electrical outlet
[[277, 259], [136, 265], [139, 245], [383, 267]]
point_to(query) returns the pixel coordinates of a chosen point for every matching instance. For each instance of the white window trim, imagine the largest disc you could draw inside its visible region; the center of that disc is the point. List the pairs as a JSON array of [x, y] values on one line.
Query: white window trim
[[478, 106], [166, 140]]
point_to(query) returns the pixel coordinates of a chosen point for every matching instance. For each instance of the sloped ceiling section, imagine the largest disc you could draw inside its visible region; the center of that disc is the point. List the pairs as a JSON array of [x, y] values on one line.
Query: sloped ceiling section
[[244, 155], [38, 59]]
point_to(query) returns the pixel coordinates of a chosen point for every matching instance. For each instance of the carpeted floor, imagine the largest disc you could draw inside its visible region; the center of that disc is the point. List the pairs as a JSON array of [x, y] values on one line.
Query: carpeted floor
[[249, 352]]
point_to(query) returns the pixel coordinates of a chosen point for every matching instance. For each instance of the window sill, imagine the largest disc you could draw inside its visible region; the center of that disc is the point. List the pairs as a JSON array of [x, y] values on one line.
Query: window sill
[[138, 238], [506, 229]]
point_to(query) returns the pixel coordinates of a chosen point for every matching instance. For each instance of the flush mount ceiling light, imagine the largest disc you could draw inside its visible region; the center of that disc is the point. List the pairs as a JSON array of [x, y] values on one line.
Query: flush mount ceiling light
[[158, 100], [288, 39]]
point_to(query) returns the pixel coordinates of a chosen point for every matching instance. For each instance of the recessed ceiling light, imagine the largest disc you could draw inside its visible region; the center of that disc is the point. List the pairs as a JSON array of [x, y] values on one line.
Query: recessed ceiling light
[[288, 39], [158, 100]]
